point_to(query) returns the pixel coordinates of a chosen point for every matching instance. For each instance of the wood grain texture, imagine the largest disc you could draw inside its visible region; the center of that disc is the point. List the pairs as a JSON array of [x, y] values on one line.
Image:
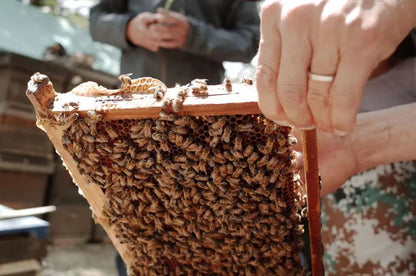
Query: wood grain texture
[[310, 152]]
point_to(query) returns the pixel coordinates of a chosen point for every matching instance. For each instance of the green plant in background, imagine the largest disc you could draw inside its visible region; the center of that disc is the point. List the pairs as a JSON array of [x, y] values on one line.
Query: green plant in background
[[168, 4]]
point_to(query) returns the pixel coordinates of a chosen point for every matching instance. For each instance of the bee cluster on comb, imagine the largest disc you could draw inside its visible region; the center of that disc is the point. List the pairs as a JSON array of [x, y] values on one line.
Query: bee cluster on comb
[[182, 193]]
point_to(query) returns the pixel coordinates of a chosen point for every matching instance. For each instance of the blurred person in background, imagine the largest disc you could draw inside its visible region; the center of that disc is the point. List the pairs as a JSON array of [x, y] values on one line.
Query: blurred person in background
[[177, 41]]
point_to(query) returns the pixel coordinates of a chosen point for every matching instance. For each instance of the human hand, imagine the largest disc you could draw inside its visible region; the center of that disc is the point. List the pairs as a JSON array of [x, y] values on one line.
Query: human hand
[[337, 160], [380, 137], [172, 29], [341, 38], [138, 31]]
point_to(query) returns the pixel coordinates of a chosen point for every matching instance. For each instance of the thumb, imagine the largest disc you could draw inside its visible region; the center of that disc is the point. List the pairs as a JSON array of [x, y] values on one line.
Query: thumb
[[147, 18]]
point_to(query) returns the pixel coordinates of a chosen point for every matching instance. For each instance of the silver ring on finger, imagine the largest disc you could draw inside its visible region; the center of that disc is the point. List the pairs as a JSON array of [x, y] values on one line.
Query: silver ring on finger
[[322, 78]]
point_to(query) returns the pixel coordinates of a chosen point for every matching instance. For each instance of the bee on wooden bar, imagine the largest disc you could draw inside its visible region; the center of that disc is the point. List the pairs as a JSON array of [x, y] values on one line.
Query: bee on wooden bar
[[228, 85]]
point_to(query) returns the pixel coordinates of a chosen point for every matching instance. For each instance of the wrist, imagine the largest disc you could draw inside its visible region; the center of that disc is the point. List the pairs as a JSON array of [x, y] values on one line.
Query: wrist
[[385, 136], [128, 31]]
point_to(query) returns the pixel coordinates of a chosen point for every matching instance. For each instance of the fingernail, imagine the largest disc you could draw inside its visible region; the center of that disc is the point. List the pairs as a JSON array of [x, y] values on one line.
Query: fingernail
[[282, 123], [308, 128], [340, 133]]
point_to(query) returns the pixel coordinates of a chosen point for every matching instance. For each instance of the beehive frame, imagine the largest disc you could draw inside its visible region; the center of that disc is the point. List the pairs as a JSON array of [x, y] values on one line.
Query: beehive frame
[[149, 110]]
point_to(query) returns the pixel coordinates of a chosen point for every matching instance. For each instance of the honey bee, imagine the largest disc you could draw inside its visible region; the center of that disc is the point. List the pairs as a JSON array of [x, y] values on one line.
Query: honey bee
[[237, 154], [111, 132], [182, 121], [147, 129], [229, 156], [226, 135], [177, 105], [219, 155], [143, 155], [217, 127], [194, 147], [214, 141], [137, 127], [151, 146], [245, 127], [223, 171], [94, 157], [228, 85], [83, 126], [188, 141], [248, 151], [130, 164], [215, 173], [263, 161], [252, 158], [292, 140], [233, 180], [88, 138], [180, 130], [180, 158], [158, 92], [157, 136], [268, 147], [247, 178], [149, 163], [202, 167], [94, 115], [131, 151], [210, 196], [238, 143], [66, 122], [281, 140], [205, 153], [237, 172], [304, 212], [260, 174], [247, 81], [199, 87]]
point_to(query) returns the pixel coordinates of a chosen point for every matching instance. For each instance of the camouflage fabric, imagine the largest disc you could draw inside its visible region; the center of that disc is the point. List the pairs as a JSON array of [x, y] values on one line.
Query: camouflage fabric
[[369, 224]]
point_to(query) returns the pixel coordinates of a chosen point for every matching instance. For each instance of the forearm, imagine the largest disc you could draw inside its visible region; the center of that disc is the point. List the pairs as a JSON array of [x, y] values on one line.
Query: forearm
[[385, 136]]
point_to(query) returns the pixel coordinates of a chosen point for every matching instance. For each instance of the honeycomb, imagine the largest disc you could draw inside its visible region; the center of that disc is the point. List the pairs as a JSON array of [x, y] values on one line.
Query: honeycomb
[[193, 195]]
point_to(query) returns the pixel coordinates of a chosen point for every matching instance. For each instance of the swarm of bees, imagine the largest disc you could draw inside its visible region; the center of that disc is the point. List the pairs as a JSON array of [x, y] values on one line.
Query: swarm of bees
[[205, 195], [191, 195]]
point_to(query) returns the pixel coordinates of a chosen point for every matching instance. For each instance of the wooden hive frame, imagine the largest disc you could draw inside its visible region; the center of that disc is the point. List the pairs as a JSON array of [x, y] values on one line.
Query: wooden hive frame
[[144, 98]]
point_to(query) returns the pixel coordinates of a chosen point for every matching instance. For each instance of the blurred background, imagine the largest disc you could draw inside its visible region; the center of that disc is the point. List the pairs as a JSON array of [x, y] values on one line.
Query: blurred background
[[52, 37]]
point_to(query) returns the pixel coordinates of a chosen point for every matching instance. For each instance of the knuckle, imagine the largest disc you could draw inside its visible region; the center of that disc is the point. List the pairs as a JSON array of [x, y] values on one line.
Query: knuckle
[[266, 76], [269, 8], [294, 15], [343, 100], [317, 98], [270, 109], [291, 94]]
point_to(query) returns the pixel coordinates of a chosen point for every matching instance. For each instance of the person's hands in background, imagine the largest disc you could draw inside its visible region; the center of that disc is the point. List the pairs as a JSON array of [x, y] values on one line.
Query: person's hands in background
[[346, 39], [166, 29], [172, 29], [139, 34]]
